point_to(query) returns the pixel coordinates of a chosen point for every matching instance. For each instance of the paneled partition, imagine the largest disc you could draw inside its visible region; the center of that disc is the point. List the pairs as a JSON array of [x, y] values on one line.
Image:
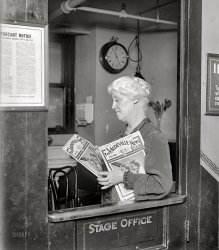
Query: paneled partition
[[23, 185]]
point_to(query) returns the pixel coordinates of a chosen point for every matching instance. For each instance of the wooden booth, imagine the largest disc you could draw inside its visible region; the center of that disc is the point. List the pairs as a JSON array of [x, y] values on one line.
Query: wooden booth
[[32, 134]]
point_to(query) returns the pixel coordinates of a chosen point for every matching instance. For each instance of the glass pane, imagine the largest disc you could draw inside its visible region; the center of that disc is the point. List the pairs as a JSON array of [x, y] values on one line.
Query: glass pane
[[55, 62], [56, 107]]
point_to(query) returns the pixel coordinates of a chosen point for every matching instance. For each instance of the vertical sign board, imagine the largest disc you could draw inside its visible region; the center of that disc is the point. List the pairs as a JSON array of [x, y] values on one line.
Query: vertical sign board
[[124, 231], [212, 97], [22, 67]]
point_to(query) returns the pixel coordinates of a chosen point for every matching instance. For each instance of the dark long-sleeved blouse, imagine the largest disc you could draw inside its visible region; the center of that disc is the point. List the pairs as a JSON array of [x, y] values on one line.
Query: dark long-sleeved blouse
[[157, 181]]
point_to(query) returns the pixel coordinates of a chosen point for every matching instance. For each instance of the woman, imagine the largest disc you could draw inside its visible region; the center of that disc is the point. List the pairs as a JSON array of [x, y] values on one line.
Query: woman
[[130, 96]]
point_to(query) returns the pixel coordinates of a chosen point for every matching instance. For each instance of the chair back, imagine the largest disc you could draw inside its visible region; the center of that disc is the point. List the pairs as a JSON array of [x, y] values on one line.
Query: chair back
[[62, 188]]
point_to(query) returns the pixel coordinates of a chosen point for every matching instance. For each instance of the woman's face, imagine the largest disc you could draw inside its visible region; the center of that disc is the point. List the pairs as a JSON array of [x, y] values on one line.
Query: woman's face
[[123, 106]]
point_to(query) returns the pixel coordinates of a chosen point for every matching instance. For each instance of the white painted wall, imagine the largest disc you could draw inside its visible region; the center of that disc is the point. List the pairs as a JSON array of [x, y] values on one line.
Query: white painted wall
[[210, 44], [106, 123], [85, 76], [158, 66]]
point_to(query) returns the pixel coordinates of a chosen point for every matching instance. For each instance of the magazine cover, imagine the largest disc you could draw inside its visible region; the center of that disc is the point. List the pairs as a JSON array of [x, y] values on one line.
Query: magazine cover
[[127, 154], [83, 151]]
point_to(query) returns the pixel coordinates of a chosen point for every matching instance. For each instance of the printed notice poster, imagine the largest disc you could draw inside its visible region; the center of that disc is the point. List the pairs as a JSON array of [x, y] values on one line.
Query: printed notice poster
[[22, 66], [212, 102]]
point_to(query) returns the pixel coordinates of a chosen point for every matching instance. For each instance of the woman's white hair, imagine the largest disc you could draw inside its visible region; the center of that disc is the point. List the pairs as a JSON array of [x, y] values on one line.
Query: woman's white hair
[[130, 86]]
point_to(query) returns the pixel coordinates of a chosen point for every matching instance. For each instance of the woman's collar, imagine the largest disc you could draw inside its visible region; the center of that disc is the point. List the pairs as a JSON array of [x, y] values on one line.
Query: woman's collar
[[141, 124]]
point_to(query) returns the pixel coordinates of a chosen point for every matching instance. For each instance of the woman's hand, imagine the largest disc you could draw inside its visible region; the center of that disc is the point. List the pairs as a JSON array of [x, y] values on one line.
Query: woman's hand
[[111, 178]]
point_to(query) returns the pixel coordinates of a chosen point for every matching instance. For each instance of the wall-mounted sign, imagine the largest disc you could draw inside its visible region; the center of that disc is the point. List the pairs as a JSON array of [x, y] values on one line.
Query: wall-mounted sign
[[22, 67], [135, 230], [212, 97]]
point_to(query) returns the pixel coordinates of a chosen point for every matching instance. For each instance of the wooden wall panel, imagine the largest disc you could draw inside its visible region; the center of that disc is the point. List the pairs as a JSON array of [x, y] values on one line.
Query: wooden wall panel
[[177, 216], [190, 131], [208, 212], [191, 117], [37, 10], [62, 236], [24, 156], [14, 10], [194, 108], [24, 180], [36, 181], [13, 182], [33, 11]]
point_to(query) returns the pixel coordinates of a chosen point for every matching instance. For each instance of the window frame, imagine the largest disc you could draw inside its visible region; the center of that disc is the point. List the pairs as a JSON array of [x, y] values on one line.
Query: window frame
[[67, 82], [177, 191]]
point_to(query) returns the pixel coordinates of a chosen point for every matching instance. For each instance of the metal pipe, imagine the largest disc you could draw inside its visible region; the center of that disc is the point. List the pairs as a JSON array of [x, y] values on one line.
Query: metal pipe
[[66, 7], [123, 14], [70, 5]]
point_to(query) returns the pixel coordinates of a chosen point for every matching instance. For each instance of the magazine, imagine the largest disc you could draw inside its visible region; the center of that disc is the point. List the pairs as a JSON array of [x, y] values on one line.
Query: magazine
[[126, 153], [84, 152]]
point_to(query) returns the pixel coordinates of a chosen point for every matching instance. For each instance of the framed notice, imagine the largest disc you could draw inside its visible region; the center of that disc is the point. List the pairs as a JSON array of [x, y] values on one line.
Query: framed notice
[[212, 96], [23, 62]]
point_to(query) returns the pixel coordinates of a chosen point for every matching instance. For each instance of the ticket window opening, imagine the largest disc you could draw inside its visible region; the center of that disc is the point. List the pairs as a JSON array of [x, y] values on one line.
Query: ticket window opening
[[84, 114]]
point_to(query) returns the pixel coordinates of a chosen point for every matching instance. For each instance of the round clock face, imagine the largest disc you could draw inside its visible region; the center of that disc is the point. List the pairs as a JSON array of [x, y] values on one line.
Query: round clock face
[[114, 57]]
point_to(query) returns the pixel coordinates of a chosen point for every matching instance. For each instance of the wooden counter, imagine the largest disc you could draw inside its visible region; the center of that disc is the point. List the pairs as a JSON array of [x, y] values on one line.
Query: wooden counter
[[123, 225], [112, 208]]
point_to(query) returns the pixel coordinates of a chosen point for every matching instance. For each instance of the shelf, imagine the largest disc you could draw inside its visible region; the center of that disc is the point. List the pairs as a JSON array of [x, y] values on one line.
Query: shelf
[[113, 208]]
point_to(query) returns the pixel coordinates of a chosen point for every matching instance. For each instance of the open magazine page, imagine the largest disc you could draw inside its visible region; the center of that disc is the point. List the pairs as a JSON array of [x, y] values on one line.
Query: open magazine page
[[83, 151], [127, 154]]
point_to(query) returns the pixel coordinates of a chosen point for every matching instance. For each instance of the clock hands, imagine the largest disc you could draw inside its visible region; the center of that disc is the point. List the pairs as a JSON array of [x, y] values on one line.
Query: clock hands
[[116, 56]]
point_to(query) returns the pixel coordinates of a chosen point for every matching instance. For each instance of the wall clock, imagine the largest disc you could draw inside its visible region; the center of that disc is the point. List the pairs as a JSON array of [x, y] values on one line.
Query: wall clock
[[114, 57]]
